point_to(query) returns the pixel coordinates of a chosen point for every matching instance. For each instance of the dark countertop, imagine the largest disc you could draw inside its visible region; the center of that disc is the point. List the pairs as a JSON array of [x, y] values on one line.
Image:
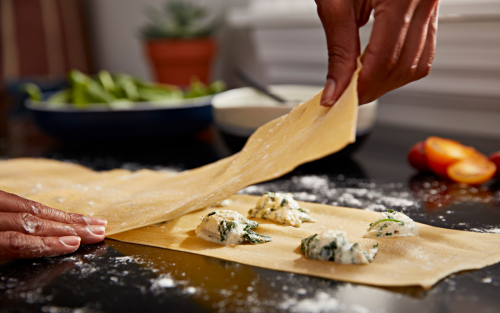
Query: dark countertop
[[117, 277]]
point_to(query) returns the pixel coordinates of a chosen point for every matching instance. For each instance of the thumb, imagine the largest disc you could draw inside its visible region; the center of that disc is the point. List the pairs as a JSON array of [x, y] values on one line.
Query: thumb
[[342, 37]]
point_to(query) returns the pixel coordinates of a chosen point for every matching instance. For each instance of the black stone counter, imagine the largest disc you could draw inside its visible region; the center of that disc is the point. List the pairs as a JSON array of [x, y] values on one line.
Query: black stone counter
[[119, 277]]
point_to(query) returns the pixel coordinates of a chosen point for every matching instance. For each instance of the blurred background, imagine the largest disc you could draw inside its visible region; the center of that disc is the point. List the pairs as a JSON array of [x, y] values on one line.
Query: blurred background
[[274, 42]]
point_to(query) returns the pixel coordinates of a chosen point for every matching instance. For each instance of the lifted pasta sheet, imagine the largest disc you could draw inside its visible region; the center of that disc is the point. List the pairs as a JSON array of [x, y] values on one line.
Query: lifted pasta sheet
[[409, 261], [132, 200]]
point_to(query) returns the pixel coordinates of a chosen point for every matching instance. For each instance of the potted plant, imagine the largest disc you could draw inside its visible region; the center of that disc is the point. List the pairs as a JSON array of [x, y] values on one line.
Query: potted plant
[[180, 43]]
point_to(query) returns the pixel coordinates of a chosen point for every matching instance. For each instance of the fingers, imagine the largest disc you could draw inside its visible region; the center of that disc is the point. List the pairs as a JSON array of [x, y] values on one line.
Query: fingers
[[425, 61], [29, 229], [31, 225], [392, 20], [340, 22], [14, 245], [15, 204], [398, 42], [407, 69], [401, 47]]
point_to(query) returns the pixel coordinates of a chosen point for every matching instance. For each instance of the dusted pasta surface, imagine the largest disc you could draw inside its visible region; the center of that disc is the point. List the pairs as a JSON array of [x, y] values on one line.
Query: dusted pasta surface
[[405, 261]]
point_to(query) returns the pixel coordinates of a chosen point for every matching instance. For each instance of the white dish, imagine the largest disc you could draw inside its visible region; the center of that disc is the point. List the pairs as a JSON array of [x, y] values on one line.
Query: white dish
[[241, 111]]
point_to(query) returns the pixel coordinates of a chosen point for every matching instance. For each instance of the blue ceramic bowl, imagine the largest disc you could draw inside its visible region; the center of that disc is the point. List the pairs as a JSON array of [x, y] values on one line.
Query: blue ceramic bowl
[[146, 120]]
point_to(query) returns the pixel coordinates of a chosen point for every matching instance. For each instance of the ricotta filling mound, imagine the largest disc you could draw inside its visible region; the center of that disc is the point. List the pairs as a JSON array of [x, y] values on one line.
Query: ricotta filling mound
[[332, 245], [282, 208], [392, 224], [228, 227]]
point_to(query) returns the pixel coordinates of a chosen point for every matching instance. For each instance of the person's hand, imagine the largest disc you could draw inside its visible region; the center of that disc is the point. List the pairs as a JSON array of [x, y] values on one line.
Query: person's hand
[[29, 229], [401, 47]]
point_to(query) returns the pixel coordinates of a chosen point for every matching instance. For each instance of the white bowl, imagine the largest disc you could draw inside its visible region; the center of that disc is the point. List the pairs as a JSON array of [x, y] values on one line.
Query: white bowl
[[239, 112]]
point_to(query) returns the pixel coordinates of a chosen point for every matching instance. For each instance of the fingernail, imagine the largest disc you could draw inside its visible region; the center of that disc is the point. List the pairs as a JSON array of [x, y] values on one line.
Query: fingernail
[[96, 229], [70, 241], [97, 221], [327, 99]]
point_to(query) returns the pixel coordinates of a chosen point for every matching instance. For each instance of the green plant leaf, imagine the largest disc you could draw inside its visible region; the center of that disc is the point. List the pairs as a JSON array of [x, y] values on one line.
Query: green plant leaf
[[33, 91], [179, 20]]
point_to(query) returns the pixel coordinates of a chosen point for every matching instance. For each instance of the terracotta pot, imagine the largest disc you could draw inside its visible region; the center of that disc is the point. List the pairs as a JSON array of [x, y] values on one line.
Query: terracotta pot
[[176, 61]]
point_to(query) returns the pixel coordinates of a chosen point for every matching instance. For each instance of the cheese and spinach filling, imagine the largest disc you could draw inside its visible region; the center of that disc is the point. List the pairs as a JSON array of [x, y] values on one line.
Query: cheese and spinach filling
[[392, 224], [282, 208], [332, 245], [228, 227]]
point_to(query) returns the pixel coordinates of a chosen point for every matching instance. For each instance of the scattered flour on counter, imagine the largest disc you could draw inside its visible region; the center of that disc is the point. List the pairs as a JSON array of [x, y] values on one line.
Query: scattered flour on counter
[[85, 269], [301, 291], [376, 207], [487, 280], [129, 259], [163, 281], [58, 309], [312, 181], [252, 190], [341, 191], [359, 192], [30, 296], [398, 202], [190, 290], [304, 196], [322, 302], [133, 167], [347, 199], [492, 230]]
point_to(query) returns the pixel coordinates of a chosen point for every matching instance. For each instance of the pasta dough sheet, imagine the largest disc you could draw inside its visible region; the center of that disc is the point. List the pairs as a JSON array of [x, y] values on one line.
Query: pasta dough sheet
[[129, 200], [408, 261]]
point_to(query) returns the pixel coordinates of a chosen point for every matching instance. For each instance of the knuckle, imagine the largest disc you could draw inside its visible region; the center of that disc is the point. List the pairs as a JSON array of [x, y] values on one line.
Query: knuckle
[[61, 216], [30, 223], [407, 17], [41, 211], [422, 71], [17, 245], [36, 208], [76, 218], [70, 218], [337, 54], [389, 60], [432, 30], [16, 242]]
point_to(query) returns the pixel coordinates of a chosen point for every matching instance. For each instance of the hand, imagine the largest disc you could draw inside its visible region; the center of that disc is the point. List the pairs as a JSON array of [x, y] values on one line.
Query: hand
[[29, 229], [401, 47]]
